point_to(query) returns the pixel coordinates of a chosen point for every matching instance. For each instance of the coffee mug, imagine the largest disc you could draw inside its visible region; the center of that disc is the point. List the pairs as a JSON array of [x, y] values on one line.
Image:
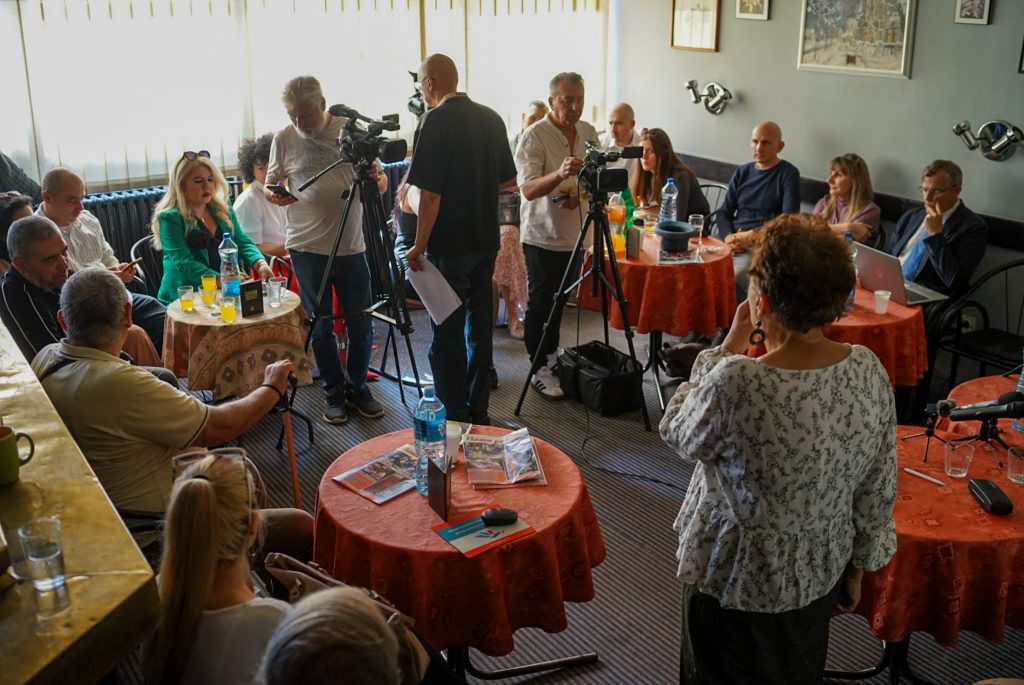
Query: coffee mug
[[10, 459]]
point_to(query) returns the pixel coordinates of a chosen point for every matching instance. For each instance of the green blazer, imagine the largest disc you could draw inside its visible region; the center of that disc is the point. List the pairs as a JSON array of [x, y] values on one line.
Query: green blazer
[[184, 265]]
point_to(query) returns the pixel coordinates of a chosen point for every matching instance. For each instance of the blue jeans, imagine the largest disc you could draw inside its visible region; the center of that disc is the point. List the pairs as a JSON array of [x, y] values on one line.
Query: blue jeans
[[460, 353], [350, 279], [148, 313]]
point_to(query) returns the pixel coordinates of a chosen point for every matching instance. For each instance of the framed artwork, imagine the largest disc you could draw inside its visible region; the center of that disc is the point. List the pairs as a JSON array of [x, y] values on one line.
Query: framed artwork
[[873, 37], [695, 25], [1020, 68], [972, 11], [752, 9]]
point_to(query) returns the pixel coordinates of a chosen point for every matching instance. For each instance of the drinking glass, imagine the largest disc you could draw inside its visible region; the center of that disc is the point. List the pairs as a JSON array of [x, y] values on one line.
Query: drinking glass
[[274, 287], [40, 541], [228, 307], [697, 221], [958, 459], [186, 297], [1015, 465], [209, 289]]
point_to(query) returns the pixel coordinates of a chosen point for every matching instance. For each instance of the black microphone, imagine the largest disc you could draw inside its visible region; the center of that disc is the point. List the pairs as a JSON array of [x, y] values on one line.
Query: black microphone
[[1007, 410], [1005, 398], [343, 111], [632, 152]]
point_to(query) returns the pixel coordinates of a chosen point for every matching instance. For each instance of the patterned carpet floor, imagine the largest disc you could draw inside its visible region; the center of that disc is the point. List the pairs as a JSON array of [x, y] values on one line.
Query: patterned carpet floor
[[637, 485]]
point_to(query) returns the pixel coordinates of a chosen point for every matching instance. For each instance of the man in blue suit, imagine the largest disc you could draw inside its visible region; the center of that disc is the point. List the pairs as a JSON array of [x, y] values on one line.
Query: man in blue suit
[[941, 243]]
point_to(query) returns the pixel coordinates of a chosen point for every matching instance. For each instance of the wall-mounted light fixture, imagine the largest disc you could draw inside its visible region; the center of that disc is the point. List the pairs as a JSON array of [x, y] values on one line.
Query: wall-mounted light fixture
[[715, 96], [996, 140]]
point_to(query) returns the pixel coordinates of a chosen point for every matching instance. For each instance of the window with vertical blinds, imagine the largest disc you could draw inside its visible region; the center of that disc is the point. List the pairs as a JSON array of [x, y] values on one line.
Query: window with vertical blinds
[[117, 89]]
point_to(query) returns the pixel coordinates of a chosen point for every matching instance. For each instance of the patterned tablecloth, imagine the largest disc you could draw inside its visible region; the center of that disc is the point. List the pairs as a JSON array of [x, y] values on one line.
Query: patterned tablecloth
[[896, 337], [230, 359], [673, 298], [956, 567], [458, 601]]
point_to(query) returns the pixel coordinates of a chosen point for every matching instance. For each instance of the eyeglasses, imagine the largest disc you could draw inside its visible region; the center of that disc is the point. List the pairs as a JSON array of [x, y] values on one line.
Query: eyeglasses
[[193, 156], [11, 193], [932, 192]]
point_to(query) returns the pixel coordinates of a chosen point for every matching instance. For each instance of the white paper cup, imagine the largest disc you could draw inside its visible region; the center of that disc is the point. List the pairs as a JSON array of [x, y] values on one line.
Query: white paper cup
[[882, 301], [453, 440]]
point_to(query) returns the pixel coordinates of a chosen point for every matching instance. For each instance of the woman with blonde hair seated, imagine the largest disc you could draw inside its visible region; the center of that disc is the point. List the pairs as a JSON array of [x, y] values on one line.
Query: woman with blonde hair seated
[[189, 223], [794, 482], [850, 203], [213, 627]]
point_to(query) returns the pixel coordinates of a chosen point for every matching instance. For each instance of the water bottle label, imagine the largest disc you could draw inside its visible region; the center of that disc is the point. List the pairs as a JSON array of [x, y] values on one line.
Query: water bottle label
[[232, 288]]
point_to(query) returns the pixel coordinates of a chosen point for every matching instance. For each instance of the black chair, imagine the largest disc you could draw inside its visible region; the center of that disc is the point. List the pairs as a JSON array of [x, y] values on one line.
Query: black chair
[[878, 242], [152, 267], [715, 194], [282, 266], [987, 344]]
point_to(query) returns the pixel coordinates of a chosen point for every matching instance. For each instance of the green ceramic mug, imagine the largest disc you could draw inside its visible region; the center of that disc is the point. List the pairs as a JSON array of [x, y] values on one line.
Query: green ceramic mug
[[10, 459]]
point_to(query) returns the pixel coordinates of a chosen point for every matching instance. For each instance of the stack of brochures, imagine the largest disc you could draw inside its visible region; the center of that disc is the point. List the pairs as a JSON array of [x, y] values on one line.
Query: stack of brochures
[[502, 461], [385, 477]]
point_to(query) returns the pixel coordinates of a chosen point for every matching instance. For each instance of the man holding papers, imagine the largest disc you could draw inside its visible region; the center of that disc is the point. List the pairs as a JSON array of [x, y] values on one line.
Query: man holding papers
[[461, 160]]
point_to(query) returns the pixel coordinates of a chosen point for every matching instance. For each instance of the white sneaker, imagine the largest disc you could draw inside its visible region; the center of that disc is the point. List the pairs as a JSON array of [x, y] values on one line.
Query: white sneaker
[[546, 383]]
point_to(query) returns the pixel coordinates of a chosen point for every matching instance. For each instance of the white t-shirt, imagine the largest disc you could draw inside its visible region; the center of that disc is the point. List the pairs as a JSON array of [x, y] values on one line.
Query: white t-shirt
[[631, 165], [87, 245], [262, 220], [314, 219], [128, 422], [542, 149], [230, 642]]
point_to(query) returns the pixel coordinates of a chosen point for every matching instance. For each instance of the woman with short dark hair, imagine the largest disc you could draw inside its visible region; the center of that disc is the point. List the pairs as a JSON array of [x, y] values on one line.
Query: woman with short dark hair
[[795, 470], [13, 206]]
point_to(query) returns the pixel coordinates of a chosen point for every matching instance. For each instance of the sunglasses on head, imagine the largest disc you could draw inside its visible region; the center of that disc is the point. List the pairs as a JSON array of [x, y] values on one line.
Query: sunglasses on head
[[192, 156], [237, 455], [10, 193]]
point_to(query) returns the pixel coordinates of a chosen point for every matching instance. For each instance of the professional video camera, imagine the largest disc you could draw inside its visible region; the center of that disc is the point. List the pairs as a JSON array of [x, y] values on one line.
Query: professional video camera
[[361, 144], [415, 103], [596, 177]]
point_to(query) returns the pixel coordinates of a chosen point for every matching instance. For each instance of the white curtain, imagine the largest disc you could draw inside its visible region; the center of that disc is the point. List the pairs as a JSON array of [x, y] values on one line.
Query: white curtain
[[117, 89]]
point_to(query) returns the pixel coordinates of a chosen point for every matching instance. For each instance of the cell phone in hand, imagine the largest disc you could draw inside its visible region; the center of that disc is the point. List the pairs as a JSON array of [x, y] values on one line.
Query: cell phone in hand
[[280, 190], [134, 262]]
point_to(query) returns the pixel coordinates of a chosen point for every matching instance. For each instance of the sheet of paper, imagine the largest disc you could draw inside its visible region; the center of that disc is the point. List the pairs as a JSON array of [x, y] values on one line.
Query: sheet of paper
[[434, 291]]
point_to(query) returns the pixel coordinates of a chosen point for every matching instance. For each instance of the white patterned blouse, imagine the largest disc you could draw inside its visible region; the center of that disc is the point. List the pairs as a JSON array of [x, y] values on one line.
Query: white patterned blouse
[[795, 477]]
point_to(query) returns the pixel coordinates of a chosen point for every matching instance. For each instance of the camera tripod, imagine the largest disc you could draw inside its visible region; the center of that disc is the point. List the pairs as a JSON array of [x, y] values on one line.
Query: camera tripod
[[597, 219], [386, 272]]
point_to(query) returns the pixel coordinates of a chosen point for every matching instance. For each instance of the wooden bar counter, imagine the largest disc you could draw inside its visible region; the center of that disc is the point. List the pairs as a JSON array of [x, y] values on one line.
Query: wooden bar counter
[[114, 601]]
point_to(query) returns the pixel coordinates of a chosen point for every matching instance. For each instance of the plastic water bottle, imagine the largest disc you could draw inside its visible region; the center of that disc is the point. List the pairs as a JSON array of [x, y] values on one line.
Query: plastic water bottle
[[668, 201], [1018, 424], [431, 428], [627, 199], [230, 276], [852, 245]]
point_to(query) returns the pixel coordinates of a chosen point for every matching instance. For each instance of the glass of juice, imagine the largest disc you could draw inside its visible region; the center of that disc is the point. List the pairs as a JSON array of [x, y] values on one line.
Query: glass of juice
[[228, 307], [186, 297], [209, 289]]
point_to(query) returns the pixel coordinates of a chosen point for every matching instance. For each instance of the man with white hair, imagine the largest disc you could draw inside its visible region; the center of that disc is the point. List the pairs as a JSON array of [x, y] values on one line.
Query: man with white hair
[[297, 153]]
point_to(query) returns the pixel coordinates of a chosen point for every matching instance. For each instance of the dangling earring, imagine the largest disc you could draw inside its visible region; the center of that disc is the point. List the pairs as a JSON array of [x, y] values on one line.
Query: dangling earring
[[757, 335]]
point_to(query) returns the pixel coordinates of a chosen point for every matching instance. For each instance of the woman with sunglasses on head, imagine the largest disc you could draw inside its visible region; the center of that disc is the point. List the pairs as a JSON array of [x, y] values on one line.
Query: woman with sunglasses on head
[[189, 223], [213, 627], [849, 205], [660, 163]]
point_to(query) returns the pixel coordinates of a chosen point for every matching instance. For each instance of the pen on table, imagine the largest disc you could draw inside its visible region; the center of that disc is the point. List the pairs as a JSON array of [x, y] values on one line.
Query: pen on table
[[921, 475]]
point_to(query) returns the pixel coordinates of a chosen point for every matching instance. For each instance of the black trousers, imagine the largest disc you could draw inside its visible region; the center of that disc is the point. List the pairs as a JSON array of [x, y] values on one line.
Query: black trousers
[[544, 271], [749, 647]]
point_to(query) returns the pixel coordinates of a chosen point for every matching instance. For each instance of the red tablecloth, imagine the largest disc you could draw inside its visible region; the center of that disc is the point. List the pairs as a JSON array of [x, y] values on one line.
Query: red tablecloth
[[956, 567], [673, 298], [896, 337], [230, 359], [476, 602], [984, 389]]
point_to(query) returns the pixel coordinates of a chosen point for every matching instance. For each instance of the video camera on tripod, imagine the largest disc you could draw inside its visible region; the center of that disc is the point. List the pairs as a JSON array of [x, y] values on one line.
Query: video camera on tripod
[[595, 176], [361, 144]]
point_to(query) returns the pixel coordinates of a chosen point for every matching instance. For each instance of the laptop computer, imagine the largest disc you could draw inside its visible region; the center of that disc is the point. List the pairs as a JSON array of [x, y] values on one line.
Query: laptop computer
[[881, 271]]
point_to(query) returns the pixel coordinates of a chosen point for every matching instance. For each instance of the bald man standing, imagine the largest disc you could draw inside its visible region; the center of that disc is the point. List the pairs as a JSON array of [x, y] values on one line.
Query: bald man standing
[[758, 191], [461, 160], [622, 133]]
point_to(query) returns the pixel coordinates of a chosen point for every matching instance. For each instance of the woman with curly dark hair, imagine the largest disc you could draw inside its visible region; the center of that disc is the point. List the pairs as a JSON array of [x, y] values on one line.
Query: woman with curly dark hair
[[262, 221], [795, 470]]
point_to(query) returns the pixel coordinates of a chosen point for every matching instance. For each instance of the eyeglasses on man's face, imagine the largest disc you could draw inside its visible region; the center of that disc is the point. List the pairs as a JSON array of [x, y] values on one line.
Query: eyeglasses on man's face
[[935, 192]]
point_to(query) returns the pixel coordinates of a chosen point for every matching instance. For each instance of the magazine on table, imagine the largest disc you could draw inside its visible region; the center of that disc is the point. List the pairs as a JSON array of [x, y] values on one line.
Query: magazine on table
[[502, 461], [385, 477], [678, 256]]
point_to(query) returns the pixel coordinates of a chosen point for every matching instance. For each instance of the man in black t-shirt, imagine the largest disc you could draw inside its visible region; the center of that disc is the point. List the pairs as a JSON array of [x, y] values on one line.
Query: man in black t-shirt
[[461, 160]]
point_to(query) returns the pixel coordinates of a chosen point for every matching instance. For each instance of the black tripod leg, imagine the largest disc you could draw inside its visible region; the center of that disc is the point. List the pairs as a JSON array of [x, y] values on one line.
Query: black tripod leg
[[654, 341]]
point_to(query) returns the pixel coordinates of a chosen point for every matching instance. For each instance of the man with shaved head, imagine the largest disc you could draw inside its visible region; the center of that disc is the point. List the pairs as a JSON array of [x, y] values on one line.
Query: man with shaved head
[[759, 191], [63, 192], [622, 133], [461, 160]]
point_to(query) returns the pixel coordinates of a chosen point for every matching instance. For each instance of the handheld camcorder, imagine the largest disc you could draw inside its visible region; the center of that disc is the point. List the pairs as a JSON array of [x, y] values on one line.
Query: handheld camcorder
[[595, 176], [361, 141]]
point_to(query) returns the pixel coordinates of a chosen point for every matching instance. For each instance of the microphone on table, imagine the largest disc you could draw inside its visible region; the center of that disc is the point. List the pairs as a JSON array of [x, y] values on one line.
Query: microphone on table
[[1010, 405]]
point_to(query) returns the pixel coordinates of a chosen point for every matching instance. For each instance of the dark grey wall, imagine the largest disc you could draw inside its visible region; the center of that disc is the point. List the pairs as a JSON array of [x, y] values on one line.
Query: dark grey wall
[[958, 71]]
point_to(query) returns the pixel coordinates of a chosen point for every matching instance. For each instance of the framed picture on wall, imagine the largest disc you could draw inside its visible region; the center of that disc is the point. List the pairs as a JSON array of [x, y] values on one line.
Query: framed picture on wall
[[972, 11], [695, 25], [752, 9], [1020, 68], [873, 38]]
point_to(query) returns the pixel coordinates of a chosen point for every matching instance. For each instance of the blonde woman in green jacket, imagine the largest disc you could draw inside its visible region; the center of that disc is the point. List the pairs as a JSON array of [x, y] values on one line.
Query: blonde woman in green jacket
[[189, 223]]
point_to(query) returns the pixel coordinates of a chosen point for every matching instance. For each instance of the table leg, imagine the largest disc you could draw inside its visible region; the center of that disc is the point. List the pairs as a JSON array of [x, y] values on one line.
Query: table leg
[[458, 658], [654, 342], [895, 657]]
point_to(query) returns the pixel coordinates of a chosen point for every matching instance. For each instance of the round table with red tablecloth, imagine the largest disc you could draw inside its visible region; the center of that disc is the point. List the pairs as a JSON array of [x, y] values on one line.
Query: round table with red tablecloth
[[956, 566], [456, 600], [897, 337]]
